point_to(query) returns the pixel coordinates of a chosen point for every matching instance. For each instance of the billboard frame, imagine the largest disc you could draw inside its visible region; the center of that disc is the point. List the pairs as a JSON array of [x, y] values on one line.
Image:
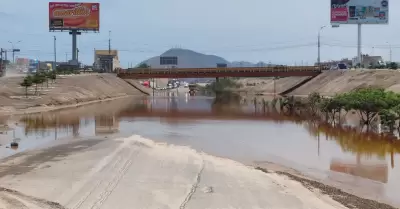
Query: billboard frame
[[352, 10], [367, 13], [83, 29]]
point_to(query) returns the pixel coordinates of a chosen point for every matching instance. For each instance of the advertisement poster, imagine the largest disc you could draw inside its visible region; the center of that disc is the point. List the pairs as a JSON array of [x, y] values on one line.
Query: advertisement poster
[[360, 11], [72, 15]]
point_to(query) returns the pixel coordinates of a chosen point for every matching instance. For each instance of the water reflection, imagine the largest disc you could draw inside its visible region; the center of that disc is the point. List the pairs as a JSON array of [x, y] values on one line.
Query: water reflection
[[377, 171], [41, 123], [357, 142], [227, 126], [106, 124]]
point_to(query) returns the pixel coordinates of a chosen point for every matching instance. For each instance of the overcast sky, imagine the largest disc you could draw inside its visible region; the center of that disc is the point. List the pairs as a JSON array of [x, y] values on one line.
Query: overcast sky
[[280, 31]]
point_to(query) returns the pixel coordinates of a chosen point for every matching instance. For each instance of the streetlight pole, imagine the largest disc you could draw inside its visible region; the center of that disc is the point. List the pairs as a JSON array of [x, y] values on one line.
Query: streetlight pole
[[13, 49], [390, 51], [55, 54], [319, 45], [359, 53]]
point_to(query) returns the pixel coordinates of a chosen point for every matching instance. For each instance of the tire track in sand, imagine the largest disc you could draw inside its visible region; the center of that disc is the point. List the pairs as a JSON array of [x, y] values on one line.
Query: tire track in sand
[[115, 163]]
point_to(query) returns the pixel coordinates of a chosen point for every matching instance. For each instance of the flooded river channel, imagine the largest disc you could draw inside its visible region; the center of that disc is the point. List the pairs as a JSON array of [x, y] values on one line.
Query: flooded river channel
[[232, 129]]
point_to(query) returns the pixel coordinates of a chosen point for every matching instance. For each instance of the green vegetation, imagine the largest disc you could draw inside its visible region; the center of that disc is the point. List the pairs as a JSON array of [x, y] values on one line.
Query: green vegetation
[[393, 65], [223, 85], [27, 82], [67, 71], [36, 79], [143, 65], [370, 103]]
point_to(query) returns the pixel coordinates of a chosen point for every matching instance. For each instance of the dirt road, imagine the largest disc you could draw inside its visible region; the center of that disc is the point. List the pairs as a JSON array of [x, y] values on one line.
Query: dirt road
[[138, 173]]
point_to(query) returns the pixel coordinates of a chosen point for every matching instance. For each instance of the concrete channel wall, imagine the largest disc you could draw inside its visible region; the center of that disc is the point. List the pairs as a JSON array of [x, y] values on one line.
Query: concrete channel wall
[[65, 91], [327, 83]]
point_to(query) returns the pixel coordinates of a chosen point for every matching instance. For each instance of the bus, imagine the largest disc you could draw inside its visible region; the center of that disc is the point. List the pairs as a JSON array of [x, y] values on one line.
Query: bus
[[33, 66]]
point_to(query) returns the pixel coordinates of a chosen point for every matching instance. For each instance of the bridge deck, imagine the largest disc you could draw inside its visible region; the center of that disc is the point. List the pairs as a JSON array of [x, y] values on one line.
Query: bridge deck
[[283, 71]]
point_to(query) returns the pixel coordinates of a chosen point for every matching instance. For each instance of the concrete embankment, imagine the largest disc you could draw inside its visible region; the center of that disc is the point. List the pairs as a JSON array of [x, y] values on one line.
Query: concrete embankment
[[67, 90], [334, 82], [100, 173], [267, 86], [328, 83]]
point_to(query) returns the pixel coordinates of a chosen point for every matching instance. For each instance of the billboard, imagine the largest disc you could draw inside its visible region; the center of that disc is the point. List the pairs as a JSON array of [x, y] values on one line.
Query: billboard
[[168, 60], [72, 15], [359, 11]]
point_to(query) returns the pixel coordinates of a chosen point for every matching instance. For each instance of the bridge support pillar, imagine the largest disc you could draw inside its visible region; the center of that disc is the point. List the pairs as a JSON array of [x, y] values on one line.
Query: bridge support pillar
[[217, 79]]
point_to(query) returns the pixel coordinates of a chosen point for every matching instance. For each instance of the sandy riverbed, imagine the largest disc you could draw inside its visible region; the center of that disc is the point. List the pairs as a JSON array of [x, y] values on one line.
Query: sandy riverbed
[[137, 173]]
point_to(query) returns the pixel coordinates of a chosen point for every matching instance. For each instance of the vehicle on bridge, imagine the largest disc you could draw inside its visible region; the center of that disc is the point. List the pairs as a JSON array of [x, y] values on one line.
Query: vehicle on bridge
[[340, 66]]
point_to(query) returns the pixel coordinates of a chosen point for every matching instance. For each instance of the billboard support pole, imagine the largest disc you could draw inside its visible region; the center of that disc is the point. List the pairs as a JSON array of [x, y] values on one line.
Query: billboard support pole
[[55, 54], [359, 55], [74, 45]]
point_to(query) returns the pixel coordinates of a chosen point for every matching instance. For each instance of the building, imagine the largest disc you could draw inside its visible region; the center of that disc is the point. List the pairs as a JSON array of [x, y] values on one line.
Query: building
[[367, 61], [371, 61], [106, 60]]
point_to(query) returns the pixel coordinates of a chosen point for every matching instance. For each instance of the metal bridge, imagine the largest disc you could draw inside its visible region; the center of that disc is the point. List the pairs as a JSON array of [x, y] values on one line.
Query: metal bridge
[[276, 71]]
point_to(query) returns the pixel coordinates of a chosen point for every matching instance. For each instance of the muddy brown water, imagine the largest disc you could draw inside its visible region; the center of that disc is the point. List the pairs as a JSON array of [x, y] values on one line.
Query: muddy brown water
[[231, 128]]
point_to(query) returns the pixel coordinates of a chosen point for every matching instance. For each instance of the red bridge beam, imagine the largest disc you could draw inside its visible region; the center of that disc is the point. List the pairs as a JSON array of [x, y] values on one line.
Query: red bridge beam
[[220, 72]]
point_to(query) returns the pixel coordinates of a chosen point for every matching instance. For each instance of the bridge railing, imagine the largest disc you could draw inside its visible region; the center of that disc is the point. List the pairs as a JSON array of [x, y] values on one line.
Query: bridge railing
[[220, 70]]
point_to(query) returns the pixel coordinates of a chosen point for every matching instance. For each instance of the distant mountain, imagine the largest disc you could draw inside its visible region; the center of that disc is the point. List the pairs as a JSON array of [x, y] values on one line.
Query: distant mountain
[[191, 59], [248, 64], [187, 59]]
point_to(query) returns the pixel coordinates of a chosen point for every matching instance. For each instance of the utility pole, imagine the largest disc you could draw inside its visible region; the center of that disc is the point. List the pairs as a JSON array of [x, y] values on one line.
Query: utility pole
[[319, 45], [274, 87], [109, 51], [109, 42], [390, 51], [55, 54], [66, 56], [359, 53], [2, 61]]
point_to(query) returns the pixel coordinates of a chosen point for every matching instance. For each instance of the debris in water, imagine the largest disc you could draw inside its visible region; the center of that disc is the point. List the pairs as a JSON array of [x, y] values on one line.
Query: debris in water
[[207, 190], [14, 144]]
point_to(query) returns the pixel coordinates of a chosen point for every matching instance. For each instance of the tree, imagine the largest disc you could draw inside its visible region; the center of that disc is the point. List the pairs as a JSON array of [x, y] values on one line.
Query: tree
[[27, 82], [143, 65], [53, 76], [37, 79], [393, 66], [388, 119], [313, 100], [45, 78], [369, 102]]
